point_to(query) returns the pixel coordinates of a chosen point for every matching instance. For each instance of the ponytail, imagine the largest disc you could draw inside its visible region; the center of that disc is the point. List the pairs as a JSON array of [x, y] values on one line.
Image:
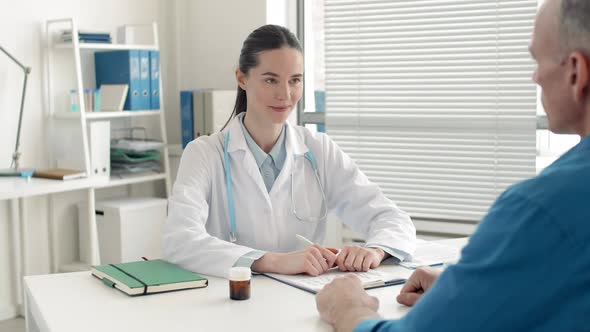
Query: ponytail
[[239, 106]]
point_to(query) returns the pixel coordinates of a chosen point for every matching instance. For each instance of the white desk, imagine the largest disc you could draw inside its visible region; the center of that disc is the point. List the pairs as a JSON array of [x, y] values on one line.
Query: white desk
[[15, 189], [11, 188], [79, 302]]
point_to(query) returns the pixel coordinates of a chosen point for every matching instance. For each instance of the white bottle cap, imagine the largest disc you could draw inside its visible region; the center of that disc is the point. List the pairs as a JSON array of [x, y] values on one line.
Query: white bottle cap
[[239, 273]]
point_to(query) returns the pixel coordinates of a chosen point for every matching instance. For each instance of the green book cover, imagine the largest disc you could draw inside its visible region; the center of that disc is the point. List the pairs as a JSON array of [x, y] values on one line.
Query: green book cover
[[145, 277]]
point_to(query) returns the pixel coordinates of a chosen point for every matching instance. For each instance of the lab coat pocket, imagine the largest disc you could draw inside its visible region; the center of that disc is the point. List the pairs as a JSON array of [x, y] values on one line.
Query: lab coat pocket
[[307, 197]]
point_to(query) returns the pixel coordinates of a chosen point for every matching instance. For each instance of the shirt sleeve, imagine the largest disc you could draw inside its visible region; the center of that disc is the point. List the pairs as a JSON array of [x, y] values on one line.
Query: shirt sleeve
[[369, 325], [503, 269], [248, 259], [395, 253]]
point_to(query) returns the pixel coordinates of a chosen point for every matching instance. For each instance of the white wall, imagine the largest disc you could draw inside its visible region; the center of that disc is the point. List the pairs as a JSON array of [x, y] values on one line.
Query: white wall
[[214, 30]]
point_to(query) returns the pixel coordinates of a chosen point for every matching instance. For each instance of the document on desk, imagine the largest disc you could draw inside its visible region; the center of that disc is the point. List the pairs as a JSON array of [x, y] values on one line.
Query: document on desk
[[370, 279], [431, 253]]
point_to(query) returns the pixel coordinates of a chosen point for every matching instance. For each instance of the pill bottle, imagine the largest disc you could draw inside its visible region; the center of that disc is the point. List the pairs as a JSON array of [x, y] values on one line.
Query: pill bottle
[[239, 283]]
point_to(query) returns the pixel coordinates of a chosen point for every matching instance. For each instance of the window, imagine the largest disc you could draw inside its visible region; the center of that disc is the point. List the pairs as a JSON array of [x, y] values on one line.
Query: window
[[433, 99], [312, 110]]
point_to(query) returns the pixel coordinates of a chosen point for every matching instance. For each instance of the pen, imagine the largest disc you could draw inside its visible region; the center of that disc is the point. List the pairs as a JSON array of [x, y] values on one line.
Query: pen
[[307, 242], [397, 281], [384, 283]]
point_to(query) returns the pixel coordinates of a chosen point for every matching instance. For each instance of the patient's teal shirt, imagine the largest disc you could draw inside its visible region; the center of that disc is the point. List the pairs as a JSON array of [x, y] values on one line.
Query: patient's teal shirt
[[526, 267]]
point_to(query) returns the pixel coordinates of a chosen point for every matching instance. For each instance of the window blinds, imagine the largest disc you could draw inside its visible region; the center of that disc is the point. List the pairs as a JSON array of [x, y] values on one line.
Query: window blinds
[[433, 99]]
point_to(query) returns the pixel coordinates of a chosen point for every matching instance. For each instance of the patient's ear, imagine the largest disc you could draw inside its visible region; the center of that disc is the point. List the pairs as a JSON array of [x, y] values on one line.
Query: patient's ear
[[578, 76]]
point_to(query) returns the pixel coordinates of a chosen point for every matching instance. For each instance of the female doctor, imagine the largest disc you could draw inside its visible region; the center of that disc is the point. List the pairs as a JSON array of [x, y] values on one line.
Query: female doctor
[[242, 195]]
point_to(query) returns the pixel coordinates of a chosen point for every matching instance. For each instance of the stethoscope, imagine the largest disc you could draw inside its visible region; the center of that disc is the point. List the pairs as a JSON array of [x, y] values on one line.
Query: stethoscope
[[230, 201]]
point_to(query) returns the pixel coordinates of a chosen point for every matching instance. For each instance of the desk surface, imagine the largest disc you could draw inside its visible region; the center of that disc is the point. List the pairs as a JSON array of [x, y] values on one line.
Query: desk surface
[[77, 301], [13, 187]]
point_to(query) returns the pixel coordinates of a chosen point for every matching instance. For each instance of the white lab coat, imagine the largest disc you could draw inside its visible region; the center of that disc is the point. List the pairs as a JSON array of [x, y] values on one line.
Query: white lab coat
[[196, 235]]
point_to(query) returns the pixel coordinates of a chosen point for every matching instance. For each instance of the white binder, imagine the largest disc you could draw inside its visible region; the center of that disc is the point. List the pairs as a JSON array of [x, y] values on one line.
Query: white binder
[[112, 97], [99, 140], [219, 106], [211, 110]]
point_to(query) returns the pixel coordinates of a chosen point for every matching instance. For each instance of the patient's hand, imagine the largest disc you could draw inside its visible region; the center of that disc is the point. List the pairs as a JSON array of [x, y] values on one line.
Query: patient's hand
[[343, 303], [418, 283]]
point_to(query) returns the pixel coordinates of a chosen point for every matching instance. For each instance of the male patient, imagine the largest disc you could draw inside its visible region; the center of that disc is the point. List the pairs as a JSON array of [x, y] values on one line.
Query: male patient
[[527, 266]]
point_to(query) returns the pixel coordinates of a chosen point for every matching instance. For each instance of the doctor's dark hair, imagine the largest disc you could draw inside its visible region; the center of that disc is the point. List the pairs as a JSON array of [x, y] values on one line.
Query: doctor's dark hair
[[267, 37]]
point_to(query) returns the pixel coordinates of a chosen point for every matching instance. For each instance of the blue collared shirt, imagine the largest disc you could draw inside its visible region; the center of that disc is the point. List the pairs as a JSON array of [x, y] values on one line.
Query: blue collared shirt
[[525, 268], [269, 164]]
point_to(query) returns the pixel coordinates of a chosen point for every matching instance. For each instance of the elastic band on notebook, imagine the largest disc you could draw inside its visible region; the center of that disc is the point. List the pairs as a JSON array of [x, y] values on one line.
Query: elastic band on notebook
[[132, 276]]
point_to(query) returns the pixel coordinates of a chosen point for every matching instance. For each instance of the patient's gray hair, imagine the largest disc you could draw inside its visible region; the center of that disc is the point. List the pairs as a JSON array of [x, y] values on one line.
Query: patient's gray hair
[[574, 25]]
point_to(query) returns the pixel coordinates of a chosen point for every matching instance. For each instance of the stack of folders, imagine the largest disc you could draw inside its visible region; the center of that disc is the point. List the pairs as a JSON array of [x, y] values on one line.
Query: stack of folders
[[138, 69], [130, 156], [87, 36]]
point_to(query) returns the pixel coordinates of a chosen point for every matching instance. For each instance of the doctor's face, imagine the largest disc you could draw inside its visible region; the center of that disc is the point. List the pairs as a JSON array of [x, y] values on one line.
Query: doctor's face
[[274, 86]]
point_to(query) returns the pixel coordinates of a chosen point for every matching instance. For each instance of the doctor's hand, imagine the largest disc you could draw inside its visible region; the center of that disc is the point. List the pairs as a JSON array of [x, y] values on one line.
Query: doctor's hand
[[356, 258], [418, 283], [313, 260], [344, 303]]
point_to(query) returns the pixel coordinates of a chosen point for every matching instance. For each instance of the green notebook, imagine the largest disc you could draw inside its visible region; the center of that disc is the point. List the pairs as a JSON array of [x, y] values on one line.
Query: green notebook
[[146, 277]]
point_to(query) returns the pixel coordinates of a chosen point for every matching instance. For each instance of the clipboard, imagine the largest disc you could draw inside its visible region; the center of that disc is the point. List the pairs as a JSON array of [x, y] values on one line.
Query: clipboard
[[370, 280]]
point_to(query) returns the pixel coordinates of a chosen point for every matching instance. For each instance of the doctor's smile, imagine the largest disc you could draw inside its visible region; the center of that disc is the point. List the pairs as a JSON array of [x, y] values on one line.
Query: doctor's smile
[[281, 108]]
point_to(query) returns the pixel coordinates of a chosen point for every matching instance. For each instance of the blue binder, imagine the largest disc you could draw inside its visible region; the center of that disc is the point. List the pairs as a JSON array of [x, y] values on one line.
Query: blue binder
[[120, 67], [154, 80], [144, 79], [186, 117]]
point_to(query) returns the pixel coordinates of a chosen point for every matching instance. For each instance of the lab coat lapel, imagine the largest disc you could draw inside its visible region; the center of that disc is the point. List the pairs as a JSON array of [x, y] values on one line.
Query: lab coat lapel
[[240, 152], [295, 142], [294, 145]]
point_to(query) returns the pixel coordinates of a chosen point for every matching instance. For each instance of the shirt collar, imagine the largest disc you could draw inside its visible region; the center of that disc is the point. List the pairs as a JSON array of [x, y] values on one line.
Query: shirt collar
[[277, 153], [294, 139]]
